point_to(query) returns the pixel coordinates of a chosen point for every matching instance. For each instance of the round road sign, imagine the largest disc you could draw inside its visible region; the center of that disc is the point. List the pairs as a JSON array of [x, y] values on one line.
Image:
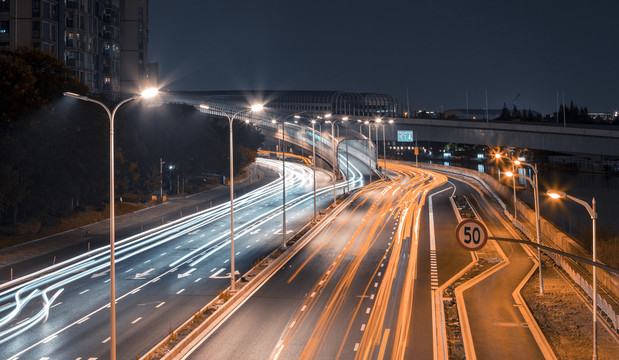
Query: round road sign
[[471, 234]]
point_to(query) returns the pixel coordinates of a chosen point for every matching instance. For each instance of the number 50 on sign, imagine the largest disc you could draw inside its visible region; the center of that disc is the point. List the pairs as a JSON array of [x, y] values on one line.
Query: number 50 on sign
[[471, 234]]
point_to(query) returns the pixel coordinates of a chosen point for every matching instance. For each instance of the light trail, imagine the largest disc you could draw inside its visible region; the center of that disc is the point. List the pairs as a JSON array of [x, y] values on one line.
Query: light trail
[[56, 277]]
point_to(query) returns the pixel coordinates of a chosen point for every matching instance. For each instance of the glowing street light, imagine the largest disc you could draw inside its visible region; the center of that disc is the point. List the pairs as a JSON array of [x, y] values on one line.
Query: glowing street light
[[535, 185], [591, 210], [255, 107], [148, 93]]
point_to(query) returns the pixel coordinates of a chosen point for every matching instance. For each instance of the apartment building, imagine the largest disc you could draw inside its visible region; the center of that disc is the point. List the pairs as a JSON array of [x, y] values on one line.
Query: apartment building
[[104, 42]]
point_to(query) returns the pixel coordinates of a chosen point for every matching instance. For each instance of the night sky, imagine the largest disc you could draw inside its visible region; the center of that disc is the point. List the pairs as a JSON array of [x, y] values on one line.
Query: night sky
[[439, 49]]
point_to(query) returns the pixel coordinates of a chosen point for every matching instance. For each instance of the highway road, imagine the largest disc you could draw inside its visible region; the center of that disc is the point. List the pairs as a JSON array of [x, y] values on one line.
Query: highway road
[[359, 289], [162, 276], [364, 287]]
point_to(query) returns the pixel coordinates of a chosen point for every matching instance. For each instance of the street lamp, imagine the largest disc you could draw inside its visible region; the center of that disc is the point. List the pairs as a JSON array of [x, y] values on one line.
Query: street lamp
[[535, 185], [284, 179], [314, 163], [369, 147], [498, 156], [111, 115], [314, 123], [345, 120], [255, 107], [591, 210]]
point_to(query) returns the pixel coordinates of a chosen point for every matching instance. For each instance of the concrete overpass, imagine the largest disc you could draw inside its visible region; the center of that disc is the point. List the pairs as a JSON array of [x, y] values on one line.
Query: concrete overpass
[[574, 139], [601, 140]]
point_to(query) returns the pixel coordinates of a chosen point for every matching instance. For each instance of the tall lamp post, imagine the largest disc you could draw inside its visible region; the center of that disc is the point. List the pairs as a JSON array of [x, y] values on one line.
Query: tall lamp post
[[537, 222], [591, 210], [256, 107], [498, 156], [345, 120], [314, 163], [284, 179], [369, 147], [111, 115]]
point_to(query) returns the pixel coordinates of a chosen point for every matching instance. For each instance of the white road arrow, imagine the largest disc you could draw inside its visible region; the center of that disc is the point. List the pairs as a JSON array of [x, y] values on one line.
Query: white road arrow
[[140, 276], [186, 274], [99, 274]]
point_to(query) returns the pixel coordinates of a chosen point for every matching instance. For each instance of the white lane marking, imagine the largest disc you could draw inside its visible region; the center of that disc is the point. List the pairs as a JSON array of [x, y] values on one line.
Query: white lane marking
[[136, 320], [178, 247], [106, 340], [375, 284], [146, 262], [362, 327], [356, 347], [303, 308], [367, 311], [140, 276], [198, 279], [163, 254], [107, 281], [226, 261], [237, 253], [248, 246], [85, 291], [49, 338], [292, 324], [180, 291], [215, 275], [185, 274], [160, 304], [53, 306], [313, 294], [85, 318], [26, 319]]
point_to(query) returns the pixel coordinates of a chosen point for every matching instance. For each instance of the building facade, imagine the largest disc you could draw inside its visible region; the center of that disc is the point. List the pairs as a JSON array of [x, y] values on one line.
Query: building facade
[[87, 35]]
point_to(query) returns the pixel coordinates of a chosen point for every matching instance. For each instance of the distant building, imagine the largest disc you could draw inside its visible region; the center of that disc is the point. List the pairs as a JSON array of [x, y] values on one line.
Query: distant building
[[104, 42], [310, 101]]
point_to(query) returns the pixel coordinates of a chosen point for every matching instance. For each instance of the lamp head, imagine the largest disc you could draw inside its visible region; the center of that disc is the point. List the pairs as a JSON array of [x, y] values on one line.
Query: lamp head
[[556, 194], [74, 95], [148, 93], [498, 156], [509, 173], [517, 162], [257, 107], [297, 116], [345, 118], [379, 120], [273, 121], [327, 116], [205, 107], [390, 121]]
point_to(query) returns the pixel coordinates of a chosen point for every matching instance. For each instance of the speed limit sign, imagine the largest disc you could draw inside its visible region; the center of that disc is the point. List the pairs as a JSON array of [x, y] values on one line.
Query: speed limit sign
[[471, 234]]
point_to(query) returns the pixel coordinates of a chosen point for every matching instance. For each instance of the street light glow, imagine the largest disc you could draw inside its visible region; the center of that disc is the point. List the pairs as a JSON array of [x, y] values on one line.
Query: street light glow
[[327, 116], [148, 93], [509, 174], [517, 162], [257, 107], [555, 194], [498, 156], [345, 118], [205, 107]]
